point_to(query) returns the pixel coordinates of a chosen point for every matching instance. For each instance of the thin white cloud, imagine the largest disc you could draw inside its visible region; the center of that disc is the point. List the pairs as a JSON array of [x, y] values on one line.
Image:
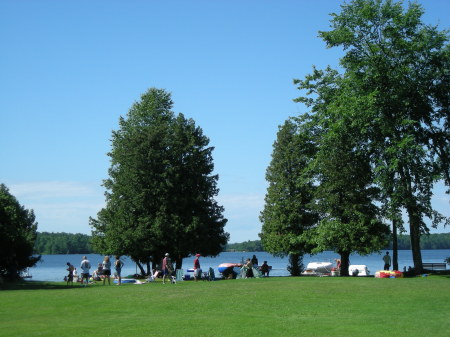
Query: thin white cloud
[[64, 206], [52, 189], [60, 205]]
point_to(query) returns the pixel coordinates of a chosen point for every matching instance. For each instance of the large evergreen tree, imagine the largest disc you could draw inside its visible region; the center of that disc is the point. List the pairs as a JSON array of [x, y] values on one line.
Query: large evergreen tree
[[160, 193], [287, 213], [17, 236]]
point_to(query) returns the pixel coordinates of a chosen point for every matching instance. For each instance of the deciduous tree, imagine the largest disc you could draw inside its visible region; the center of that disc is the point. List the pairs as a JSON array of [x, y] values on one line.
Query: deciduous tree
[[17, 236], [402, 65]]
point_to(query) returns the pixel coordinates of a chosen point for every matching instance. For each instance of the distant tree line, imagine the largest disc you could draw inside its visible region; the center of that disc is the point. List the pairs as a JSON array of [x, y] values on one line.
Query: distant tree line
[[247, 246], [63, 243], [67, 243], [432, 241]]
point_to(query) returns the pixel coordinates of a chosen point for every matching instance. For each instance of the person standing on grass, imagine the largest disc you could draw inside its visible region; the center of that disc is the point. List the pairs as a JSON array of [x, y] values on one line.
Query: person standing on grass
[[167, 267], [106, 270], [248, 269], [197, 270], [255, 261], [387, 261], [85, 266], [70, 269], [75, 274], [118, 264]]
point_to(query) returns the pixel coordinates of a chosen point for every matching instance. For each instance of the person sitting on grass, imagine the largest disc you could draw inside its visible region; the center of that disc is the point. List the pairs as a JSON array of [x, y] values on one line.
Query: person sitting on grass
[[265, 269], [97, 274]]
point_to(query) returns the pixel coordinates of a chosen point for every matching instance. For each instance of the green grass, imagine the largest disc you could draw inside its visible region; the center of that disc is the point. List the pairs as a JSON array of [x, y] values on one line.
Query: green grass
[[278, 306]]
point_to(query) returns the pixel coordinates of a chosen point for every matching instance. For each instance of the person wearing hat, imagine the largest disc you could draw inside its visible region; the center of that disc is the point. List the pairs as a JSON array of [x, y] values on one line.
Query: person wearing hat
[[197, 270], [166, 267]]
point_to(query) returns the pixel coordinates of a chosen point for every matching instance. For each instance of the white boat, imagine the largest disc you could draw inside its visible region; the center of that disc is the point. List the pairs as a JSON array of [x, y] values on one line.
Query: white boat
[[318, 268], [358, 270]]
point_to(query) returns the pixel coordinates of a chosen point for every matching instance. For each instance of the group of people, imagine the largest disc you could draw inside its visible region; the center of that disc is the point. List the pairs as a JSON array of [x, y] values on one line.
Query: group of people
[[103, 271], [252, 263]]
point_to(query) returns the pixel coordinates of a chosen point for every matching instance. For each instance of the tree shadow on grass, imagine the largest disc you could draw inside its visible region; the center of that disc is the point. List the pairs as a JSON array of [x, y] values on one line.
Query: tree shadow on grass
[[33, 285]]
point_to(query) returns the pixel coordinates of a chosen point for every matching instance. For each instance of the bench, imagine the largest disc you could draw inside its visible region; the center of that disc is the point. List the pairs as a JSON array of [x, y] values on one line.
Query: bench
[[435, 266]]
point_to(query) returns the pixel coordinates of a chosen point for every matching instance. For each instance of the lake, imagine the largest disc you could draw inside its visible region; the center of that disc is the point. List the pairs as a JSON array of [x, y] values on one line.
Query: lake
[[53, 267]]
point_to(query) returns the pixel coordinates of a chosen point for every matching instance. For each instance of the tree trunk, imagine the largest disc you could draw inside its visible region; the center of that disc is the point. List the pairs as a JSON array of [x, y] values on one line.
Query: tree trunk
[[415, 219], [394, 245], [414, 231], [295, 264], [179, 262], [345, 262], [140, 268]]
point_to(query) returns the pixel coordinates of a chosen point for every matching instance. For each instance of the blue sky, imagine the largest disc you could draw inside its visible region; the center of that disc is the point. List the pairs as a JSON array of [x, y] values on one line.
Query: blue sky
[[69, 69]]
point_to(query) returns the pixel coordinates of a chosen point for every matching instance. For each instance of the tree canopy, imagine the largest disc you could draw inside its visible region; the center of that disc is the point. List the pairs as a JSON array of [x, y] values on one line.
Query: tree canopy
[[161, 189], [380, 130], [17, 236], [400, 67]]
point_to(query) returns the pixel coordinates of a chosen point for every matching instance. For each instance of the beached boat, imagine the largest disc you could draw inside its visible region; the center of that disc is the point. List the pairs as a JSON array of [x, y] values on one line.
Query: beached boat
[[230, 270], [318, 268], [224, 267]]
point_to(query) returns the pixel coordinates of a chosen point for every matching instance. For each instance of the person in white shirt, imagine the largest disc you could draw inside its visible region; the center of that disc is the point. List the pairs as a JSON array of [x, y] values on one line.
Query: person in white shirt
[[85, 266]]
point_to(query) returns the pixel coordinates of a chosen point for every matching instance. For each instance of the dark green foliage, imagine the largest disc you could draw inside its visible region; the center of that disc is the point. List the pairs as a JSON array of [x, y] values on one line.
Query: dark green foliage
[[63, 243], [160, 190], [17, 236], [287, 213], [384, 121]]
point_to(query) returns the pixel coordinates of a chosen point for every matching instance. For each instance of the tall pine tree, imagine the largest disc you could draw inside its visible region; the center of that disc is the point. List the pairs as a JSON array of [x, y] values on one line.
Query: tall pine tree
[[161, 190]]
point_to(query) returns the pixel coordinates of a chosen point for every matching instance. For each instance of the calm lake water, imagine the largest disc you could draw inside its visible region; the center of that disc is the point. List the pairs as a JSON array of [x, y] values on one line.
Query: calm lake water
[[53, 267]]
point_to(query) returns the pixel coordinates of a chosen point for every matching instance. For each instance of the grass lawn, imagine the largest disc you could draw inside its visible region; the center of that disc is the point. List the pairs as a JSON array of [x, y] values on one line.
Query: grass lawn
[[276, 306]]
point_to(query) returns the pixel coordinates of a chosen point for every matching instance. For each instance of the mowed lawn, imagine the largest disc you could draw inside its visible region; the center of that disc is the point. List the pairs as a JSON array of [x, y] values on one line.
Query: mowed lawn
[[278, 306]]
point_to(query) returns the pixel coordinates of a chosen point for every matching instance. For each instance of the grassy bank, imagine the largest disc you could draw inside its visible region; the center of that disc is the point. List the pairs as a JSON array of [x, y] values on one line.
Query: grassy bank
[[254, 307]]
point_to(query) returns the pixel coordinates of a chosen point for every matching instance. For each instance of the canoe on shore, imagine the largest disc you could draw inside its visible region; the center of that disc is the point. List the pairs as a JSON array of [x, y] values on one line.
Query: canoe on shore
[[225, 266]]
